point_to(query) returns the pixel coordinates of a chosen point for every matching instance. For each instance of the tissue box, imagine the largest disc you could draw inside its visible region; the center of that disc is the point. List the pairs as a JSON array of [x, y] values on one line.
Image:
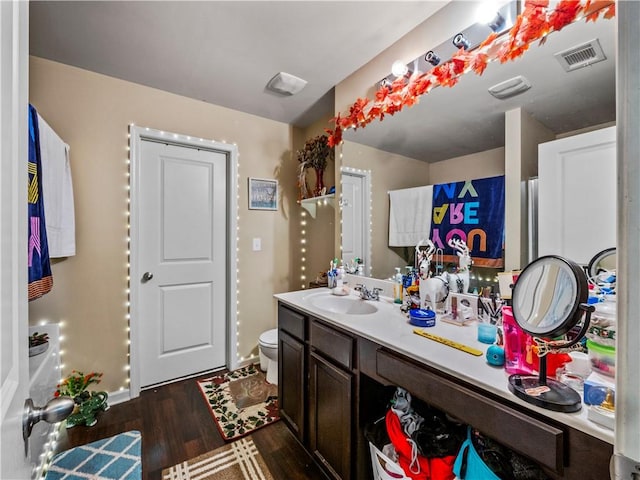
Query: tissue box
[[595, 388]]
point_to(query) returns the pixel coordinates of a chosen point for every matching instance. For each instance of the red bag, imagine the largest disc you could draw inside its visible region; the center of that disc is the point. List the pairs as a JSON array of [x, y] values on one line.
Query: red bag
[[415, 465]]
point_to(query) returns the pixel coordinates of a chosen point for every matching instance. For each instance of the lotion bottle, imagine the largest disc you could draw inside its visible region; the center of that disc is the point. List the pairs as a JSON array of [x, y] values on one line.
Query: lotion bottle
[[397, 286]]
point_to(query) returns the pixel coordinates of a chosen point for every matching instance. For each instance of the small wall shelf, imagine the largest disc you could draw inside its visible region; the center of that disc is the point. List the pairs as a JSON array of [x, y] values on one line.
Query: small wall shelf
[[310, 204]]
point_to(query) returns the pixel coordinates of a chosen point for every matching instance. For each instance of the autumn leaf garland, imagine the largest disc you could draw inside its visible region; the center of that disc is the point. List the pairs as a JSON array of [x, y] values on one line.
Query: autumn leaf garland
[[534, 23]]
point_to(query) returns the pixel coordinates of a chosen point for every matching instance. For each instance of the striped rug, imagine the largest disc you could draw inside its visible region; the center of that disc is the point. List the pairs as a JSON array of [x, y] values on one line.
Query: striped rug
[[239, 460]]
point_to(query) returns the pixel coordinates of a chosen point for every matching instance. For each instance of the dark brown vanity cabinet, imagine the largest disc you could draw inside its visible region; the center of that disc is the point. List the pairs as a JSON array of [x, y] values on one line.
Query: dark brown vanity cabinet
[[316, 388], [331, 394], [292, 370], [333, 383]]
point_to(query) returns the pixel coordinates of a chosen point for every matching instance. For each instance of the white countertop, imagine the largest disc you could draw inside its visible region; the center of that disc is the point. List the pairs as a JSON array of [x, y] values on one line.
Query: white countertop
[[390, 328]]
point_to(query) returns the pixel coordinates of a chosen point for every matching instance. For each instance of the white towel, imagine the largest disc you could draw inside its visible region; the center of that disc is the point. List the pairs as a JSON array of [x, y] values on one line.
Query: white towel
[[410, 215], [57, 193]]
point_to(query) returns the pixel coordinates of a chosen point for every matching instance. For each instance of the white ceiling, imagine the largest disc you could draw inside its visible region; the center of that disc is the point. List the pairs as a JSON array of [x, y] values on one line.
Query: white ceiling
[[225, 52]]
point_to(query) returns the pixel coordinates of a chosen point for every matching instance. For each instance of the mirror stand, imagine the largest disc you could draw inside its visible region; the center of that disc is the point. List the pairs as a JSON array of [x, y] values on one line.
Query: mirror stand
[[547, 392]]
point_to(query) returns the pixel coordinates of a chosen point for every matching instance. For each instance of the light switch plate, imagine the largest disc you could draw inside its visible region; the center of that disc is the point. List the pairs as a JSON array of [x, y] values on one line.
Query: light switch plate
[[257, 244]]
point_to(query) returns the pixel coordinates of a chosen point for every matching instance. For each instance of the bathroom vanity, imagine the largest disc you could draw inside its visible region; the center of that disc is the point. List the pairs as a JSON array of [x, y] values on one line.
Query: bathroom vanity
[[340, 359]]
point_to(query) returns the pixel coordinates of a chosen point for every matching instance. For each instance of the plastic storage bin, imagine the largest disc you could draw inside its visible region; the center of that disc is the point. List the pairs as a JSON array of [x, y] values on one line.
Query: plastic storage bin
[[603, 358]]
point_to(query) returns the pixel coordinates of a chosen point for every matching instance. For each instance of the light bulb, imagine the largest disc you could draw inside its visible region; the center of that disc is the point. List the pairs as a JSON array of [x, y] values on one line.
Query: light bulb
[[399, 69]]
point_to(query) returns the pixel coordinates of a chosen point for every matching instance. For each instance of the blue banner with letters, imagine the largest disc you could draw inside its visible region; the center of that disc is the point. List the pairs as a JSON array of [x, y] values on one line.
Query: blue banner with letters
[[472, 210]]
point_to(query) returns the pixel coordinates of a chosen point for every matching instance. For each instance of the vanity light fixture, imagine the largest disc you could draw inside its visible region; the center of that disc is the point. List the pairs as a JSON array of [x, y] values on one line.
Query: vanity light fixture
[[489, 14], [432, 58], [497, 23], [399, 69], [497, 16], [460, 41]]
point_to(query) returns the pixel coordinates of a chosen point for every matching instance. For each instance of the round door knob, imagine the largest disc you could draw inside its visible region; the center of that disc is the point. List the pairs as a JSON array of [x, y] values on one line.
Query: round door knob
[[146, 277]]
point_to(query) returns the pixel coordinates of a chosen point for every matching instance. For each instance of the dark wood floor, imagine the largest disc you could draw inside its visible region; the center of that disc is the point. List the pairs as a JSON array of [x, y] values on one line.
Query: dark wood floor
[[176, 425]]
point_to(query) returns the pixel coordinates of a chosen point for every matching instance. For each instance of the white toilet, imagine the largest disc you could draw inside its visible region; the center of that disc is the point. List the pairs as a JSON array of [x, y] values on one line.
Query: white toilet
[[268, 343]]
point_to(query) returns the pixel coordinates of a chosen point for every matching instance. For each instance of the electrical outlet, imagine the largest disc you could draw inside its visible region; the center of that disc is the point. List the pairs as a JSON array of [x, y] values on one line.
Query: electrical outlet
[[257, 244]]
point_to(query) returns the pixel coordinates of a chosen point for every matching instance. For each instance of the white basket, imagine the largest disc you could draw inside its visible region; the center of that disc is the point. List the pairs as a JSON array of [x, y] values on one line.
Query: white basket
[[383, 467]]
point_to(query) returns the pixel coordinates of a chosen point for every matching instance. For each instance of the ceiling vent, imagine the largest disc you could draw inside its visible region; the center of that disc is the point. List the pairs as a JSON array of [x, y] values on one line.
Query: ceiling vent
[[510, 88], [286, 84], [581, 55]]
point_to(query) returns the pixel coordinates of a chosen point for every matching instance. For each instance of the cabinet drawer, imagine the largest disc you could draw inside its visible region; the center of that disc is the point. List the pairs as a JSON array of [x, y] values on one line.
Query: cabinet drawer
[[292, 322], [332, 344], [533, 438]]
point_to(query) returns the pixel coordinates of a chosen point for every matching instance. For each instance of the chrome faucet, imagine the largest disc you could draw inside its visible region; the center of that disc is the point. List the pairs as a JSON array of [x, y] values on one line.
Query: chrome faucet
[[366, 294]]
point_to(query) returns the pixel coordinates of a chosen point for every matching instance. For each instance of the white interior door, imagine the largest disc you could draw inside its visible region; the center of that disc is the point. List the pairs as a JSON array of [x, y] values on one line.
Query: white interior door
[[182, 250], [14, 371], [355, 218], [577, 195]]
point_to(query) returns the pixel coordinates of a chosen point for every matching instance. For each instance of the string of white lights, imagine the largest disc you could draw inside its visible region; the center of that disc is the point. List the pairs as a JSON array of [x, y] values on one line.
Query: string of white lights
[[364, 173], [128, 252]]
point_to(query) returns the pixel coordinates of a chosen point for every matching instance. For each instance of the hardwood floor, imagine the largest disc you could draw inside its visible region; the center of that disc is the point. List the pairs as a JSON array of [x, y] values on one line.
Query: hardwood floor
[[176, 425]]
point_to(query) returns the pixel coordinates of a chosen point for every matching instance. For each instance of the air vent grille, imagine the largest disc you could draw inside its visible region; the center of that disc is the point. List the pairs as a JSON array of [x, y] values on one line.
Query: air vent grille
[[581, 56]]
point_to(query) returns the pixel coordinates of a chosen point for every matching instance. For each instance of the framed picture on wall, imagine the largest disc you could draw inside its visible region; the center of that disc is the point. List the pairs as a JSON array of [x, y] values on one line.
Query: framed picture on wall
[[263, 194]]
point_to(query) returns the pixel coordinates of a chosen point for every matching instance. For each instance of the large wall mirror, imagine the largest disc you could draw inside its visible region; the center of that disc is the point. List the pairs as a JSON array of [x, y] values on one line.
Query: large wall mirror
[[458, 133]]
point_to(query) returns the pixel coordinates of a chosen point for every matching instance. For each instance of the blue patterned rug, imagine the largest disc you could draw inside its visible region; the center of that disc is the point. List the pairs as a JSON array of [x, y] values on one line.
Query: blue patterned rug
[[113, 458]]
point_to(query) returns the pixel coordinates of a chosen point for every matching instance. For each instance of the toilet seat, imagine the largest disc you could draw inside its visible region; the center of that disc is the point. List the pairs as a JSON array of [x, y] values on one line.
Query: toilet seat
[[269, 338]]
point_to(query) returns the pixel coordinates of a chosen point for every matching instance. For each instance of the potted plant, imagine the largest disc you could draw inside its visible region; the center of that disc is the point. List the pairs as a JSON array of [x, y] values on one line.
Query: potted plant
[[315, 154], [38, 343], [88, 403]]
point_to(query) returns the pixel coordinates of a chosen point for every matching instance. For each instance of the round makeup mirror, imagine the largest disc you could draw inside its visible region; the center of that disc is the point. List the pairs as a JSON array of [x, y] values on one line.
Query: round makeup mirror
[[602, 262], [548, 300]]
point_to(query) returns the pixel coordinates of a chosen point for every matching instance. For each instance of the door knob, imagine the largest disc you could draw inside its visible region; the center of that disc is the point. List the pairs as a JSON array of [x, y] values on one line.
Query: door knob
[[146, 277], [56, 410]]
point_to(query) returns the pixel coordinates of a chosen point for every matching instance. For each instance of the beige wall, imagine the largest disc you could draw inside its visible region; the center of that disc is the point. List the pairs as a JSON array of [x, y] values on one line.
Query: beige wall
[[318, 232], [91, 112], [388, 172], [522, 136], [468, 167]]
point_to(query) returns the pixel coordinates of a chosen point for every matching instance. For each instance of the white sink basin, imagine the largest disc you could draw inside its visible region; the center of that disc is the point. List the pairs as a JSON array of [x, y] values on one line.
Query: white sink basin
[[346, 305]]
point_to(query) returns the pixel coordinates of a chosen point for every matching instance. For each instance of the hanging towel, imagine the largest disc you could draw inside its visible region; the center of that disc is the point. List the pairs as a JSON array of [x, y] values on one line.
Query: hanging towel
[[40, 278], [58, 190], [409, 215], [472, 210]]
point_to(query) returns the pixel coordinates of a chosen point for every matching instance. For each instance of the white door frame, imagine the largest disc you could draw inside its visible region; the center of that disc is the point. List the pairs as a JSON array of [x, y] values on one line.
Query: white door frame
[[14, 151], [366, 202], [137, 134]]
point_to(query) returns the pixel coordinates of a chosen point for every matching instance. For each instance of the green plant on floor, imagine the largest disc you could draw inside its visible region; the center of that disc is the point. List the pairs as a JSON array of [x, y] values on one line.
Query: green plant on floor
[[88, 403]]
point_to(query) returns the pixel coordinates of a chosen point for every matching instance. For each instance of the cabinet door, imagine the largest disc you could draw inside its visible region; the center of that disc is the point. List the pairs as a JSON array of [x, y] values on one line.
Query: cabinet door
[[330, 422], [292, 383]]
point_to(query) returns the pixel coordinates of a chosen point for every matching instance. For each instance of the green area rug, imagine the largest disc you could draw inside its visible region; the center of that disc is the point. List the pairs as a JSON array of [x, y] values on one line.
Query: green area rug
[[240, 401]]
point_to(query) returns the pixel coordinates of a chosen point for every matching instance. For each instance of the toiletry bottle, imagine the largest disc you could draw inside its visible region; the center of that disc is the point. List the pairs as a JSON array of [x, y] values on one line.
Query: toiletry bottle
[[397, 286], [340, 276]]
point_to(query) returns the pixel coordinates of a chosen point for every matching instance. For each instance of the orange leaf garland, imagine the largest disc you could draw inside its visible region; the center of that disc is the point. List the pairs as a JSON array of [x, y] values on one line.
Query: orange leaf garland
[[610, 12], [533, 24], [480, 63], [565, 13]]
